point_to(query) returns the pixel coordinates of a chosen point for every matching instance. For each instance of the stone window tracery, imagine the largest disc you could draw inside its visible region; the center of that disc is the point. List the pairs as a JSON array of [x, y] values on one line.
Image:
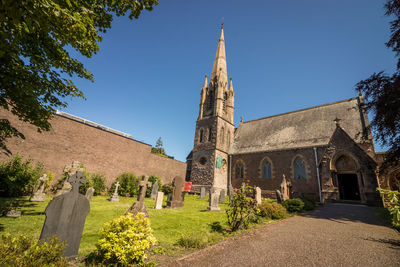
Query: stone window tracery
[[222, 135], [239, 172], [209, 134], [266, 170], [299, 169]]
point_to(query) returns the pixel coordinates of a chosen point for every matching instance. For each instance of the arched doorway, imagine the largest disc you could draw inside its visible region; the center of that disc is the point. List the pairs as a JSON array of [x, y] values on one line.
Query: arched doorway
[[348, 176]]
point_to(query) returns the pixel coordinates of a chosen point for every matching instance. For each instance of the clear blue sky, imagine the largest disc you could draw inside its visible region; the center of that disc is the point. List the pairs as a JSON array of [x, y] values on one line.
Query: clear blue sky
[[281, 55]]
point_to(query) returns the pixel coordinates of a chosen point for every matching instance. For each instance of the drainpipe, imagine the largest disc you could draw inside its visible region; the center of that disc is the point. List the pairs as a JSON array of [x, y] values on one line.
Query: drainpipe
[[318, 179]]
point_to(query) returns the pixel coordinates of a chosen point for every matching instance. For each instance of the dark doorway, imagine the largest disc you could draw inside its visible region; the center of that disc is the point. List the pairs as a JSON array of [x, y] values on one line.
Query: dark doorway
[[348, 187]]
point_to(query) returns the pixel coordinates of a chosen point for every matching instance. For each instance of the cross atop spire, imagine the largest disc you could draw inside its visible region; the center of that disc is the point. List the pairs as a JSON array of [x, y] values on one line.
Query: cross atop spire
[[219, 68]]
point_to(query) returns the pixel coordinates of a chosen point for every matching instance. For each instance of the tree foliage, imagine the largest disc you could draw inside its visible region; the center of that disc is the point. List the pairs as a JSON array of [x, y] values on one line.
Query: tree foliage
[[35, 65], [382, 93], [159, 149]]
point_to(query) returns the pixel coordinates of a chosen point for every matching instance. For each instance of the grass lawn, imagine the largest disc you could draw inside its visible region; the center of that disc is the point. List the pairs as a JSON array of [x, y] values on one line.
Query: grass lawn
[[168, 224]]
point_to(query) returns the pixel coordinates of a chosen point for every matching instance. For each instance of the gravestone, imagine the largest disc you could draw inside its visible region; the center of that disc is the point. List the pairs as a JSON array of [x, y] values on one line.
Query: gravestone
[[139, 205], [89, 193], [230, 190], [115, 197], [213, 202], [159, 200], [39, 195], [154, 190], [202, 192], [284, 188], [66, 215], [176, 199], [258, 195], [279, 197], [222, 196], [210, 192], [69, 170], [169, 197]]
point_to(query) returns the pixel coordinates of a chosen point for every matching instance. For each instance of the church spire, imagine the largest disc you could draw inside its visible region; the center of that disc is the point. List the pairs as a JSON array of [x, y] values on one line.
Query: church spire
[[219, 68]]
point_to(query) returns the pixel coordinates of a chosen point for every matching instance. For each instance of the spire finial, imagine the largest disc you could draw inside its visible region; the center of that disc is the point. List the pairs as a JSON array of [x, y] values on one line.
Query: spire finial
[[222, 23]]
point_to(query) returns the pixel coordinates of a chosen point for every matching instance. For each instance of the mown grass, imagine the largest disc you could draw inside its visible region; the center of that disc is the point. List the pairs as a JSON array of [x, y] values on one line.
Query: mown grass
[[168, 224]]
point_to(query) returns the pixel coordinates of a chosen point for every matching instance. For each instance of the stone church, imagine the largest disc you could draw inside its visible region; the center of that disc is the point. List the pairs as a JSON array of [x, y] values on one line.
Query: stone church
[[326, 152]]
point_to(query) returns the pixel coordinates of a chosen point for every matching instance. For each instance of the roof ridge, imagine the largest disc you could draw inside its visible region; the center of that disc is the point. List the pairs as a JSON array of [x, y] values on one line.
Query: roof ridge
[[294, 111]]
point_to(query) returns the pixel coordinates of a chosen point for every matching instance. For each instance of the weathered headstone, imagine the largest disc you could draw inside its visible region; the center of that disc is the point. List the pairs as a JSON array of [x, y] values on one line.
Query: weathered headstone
[[176, 199], [66, 215], [258, 195], [13, 213], [69, 170], [39, 195], [202, 192], [213, 202], [169, 197], [222, 196], [139, 205], [279, 197], [115, 197], [284, 188], [230, 190], [210, 192], [159, 200], [89, 193], [154, 190]]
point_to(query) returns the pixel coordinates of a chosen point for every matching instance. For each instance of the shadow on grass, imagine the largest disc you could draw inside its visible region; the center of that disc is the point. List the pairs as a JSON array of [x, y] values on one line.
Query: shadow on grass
[[1, 227]]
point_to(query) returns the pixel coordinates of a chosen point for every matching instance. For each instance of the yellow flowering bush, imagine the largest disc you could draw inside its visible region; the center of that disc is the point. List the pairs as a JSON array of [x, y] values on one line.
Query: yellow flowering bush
[[125, 240]]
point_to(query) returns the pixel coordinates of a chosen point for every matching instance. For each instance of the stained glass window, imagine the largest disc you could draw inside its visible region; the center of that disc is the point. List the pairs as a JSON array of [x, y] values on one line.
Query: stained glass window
[[266, 170], [239, 170], [299, 169]]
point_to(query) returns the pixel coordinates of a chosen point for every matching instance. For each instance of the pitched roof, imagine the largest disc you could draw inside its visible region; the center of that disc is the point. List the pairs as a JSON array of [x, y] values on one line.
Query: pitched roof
[[302, 128]]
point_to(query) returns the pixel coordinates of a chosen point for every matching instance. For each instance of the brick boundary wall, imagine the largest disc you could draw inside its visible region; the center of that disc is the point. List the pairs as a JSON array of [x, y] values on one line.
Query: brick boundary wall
[[100, 149]]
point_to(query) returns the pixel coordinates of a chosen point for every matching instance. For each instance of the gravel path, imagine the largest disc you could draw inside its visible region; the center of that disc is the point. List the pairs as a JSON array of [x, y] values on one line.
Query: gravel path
[[334, 235]]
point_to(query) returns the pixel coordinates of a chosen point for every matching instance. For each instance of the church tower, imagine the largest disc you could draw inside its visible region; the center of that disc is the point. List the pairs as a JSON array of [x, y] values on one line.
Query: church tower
[[214, 127]]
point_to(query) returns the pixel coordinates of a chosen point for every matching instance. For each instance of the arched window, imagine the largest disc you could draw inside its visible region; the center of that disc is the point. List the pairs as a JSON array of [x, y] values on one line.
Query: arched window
[[209, 134], [228, 136], [222, 135], [239, 170], [266, 170], [201, 136], [299, 169]]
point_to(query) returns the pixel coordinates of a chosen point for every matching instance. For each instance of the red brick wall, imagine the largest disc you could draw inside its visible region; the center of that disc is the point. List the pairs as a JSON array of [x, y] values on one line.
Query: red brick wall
[[100, 151]]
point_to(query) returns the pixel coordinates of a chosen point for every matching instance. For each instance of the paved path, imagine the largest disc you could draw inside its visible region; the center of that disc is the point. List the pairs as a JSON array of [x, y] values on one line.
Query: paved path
[[334, 235]]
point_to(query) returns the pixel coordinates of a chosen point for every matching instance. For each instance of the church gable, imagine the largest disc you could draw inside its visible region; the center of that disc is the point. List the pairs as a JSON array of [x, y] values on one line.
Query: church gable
[[303, 128]]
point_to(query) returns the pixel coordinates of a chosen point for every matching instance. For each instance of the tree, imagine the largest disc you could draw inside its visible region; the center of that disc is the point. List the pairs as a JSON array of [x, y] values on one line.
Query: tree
[[158, 149], [35, 65], [382, 93]]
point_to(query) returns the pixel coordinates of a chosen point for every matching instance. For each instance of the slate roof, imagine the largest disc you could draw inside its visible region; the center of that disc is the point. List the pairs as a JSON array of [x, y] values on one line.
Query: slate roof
[[302, 128]]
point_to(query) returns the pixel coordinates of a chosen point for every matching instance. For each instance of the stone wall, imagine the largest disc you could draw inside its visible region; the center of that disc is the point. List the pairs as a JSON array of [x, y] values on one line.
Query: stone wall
[[281, 162], [101, 151]]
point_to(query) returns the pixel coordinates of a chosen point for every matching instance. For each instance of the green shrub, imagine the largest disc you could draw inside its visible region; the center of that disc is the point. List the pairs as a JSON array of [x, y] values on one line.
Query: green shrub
[[309, 203], [124, 241], [18, 177], [293, 205], [240, 208], [272, 210], [50, 178], [153, 179], [127, 184], [392, 203], [197, 240], [167, 188], [27, 251], [98, 181]]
